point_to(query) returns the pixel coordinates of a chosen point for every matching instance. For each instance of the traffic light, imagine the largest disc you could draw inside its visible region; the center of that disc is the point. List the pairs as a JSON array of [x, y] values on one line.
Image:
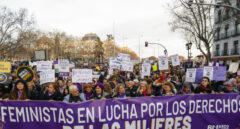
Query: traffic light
[[146, 44]]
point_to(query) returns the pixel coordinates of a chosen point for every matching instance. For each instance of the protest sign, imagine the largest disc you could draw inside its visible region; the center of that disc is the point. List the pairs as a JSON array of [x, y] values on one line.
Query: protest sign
[[4, 78], [182, 111], [114, 63], [126, 66], [233, 67], [199, 75], [146, 69], [208, 72], [44, 65], [25, 73], [175, 60], [124, 57], [163, 62], [63, 65], [47, 76], [82, 75], [219, 73], [191, 75], [5, 67]]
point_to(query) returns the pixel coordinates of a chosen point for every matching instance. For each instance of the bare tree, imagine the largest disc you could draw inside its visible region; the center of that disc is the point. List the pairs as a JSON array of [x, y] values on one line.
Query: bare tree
[[196, 24], [14, 30]]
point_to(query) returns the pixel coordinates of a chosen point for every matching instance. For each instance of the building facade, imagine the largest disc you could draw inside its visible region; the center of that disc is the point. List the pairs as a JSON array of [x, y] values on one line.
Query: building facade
[[226, 41]]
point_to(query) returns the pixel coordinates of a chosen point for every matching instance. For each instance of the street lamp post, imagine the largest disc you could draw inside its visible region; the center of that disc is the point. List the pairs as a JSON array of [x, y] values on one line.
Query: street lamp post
[[188, 47], [165, 50], [217, 4]]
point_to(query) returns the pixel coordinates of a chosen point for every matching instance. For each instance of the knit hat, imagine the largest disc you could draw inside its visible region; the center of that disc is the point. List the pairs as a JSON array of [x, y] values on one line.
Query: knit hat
[[100, 85], [227, 83]]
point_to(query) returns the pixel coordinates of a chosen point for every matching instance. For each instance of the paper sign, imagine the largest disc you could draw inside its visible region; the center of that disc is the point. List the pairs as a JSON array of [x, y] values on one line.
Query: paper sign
[[63, 65], [82, 75], [199, 75], [126, 66], [146, 69], [208, 72], [5, 67], [219, 73], [191, 75], [175, 60], [44, 65], [114, 63], [233, 67], [163, 63], [124, 57], [4, 78], [47, 76]]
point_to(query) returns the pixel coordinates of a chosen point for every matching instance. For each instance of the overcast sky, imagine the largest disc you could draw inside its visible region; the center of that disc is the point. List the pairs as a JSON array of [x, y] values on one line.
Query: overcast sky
[[132, 20]]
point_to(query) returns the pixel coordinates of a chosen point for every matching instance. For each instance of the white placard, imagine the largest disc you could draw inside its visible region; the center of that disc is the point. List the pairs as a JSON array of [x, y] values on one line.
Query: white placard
[[191, 75], [126, 66], [63, 65], [163, 62], [114, 63], [124, 57], [146, 69], [40, 55], [72, 65], [47, 76], [233, 67], [175, 60], [44, 65], [82, 75], [208, 72]]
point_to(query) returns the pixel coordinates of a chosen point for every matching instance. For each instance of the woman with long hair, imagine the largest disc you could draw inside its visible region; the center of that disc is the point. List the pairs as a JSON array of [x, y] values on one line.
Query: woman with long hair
[[88, 92], [20, 91], [144, 90], [120, 92]]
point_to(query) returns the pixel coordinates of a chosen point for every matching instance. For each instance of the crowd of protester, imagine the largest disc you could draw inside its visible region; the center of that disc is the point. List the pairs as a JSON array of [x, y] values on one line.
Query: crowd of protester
[[118, 85]]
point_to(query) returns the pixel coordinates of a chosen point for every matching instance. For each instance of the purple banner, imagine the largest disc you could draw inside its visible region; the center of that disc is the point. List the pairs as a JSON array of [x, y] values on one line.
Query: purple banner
[[216, 111], [63, 74]]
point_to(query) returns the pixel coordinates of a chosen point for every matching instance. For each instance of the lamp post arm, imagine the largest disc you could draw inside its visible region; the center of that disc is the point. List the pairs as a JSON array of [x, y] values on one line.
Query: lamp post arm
[[161, 46]]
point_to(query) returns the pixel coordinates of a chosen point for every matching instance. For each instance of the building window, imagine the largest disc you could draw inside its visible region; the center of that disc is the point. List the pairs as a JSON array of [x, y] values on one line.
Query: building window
[[225, 49], [227, 34], [219, 16], [235, 47], [217, 50]]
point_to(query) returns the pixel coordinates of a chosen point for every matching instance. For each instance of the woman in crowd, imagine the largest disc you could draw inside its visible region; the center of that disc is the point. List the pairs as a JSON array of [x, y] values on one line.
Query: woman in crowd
[[88, 92], [228, 87], [120, 92], [204, 87], [66, 89], [19, 91], [61, 86], [74, 95], [52, 93], [130, 90], [32, 93], [168, 89], [144, 90], [99, 92], [187, 89], [107, 88]]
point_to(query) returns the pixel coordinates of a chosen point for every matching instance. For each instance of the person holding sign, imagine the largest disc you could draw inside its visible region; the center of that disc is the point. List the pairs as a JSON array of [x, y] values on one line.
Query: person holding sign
[[20, 91], [204, 87], [74, 95]]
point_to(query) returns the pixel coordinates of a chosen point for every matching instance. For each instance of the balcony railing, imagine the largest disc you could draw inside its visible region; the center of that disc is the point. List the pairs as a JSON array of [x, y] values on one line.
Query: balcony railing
[[224, 53], [234, 51]]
